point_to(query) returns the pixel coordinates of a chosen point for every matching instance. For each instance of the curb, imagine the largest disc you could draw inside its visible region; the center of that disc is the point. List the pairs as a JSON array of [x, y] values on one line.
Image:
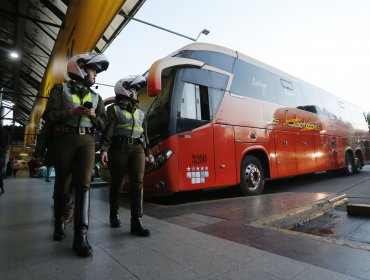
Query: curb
[[289, 219]]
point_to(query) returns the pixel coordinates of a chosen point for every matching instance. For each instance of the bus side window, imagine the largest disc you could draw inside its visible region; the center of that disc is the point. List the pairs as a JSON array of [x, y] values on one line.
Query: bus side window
[[288, 94], [194, 109], [311, 101], [330, 107], [199, 97], [252, 81], [194, 102]]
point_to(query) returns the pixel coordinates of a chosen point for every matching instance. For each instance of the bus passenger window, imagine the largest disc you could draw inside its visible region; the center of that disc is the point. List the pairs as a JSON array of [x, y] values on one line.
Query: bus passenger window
[[194, 102], [289, 95], [253, 81]]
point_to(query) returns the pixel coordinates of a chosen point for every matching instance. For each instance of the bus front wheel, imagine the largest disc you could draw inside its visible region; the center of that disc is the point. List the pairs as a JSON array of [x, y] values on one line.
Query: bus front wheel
[[252, 179]]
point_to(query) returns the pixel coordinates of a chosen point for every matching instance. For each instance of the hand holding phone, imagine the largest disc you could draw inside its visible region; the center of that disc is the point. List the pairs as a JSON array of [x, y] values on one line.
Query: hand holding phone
[[88, 104]]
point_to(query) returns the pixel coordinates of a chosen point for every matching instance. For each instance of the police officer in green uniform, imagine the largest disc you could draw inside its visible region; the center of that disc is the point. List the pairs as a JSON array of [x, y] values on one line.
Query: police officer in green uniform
[[125, 144], [75, 112]]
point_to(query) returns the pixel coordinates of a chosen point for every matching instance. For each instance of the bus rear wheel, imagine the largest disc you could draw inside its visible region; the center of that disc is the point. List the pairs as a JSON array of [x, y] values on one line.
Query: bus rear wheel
[[358, 164], [252, 179], [350, 165]]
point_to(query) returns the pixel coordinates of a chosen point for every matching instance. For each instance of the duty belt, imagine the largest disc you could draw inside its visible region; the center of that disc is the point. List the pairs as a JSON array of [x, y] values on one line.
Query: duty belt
[[68, 129], [121, 139]]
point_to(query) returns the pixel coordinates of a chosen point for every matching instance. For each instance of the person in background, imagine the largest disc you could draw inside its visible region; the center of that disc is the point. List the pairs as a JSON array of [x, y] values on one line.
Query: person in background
[[33, 165], [125, 147], [75, 111], [15, 167], [48, 164], [8, 168], [3, 148]]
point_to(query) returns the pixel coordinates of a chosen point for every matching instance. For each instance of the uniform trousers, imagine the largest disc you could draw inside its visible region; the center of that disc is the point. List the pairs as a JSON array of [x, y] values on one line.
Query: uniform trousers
[[74, 156], [130, 159]]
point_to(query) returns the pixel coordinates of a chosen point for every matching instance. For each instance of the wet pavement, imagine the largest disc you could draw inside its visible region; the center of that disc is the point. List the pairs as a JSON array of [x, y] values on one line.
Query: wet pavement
[[337, 225], [230, 218], [334, 241]]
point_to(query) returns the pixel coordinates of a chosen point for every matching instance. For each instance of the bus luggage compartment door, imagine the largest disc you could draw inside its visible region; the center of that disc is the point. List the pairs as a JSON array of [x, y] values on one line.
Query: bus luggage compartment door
[[224, 155], [305, 153], [285, 153]]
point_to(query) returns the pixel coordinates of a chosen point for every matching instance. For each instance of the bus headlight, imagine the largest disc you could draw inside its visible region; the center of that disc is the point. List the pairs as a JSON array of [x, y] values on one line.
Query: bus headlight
[[159, 160]]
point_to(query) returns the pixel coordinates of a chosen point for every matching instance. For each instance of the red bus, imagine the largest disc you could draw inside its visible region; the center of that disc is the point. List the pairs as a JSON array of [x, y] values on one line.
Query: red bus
[[221, 118]]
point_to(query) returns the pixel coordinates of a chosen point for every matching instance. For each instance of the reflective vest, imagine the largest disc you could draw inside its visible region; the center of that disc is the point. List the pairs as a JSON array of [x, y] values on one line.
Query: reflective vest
[[129, 125], [72, 100]]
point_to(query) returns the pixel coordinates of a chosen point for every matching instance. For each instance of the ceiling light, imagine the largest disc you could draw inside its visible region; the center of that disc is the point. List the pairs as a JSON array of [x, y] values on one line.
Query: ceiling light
[[14, 55]]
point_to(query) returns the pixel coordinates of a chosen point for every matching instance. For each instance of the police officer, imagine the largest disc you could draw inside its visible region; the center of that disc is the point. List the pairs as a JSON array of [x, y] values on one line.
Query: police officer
[[125, 144], [76, 111]]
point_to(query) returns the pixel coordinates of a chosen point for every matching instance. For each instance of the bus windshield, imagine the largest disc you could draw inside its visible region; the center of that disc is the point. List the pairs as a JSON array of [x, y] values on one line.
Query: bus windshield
[[158, 115]]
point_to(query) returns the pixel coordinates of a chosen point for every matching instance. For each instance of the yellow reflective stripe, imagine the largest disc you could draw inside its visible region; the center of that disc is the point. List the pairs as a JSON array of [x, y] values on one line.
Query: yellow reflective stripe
[[127, 125], [87, 98], [137, 128], [132, 121], [85, 118], [75, 99], [129, 116]]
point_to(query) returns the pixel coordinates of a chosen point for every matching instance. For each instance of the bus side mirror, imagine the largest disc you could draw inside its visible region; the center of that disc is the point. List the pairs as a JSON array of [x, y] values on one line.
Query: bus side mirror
[[155, 71]]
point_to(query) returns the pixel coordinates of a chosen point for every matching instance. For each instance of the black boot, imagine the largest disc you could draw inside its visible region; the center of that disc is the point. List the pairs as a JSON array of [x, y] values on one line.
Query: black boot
[[80, 242], [114, 206], [59, 203], [137, 227]]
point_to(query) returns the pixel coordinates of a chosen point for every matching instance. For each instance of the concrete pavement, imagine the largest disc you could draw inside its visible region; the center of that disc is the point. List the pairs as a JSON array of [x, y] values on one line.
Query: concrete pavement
[[27, 250]]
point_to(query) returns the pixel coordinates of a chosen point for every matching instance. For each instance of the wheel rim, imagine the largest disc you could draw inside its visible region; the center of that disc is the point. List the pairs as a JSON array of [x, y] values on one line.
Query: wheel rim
[[349, 164], [253, 176], [358, 163]]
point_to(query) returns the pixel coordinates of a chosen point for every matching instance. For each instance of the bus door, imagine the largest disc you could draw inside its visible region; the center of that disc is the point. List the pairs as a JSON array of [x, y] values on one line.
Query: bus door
[[285, 153], [196, 169], [197, 96]]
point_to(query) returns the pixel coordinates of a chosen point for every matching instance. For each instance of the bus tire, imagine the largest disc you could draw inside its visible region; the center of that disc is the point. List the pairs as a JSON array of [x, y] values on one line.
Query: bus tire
[[350, 165], [252, 179], [357, 166]]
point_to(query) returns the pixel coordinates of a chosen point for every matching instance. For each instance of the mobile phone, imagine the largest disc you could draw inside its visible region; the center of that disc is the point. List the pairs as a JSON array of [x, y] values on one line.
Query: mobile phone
[[88, 104]]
